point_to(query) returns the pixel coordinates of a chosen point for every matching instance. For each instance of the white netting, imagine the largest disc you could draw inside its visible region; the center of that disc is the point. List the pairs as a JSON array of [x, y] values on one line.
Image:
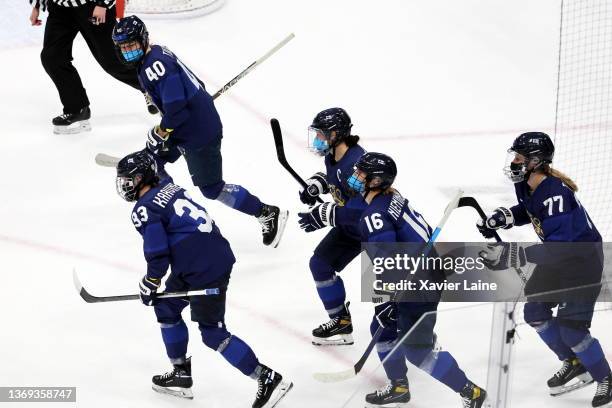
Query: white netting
[[582, 127], [172, 6]]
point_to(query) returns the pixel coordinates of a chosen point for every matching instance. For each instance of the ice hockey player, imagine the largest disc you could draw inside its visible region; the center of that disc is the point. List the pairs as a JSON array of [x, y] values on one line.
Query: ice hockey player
[[190, 124], [547, 199], [330, 136], [389, 218], [179, 234]]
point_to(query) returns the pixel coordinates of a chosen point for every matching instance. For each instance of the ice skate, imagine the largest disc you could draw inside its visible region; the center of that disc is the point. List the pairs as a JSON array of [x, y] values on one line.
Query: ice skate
[[570, 377], [71, 123], [177, 382], [273, 222], [395, 394], [603, 395], [270, 388], [336, 332]]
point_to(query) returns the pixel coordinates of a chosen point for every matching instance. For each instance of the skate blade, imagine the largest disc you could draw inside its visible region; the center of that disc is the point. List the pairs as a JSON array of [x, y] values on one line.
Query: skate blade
[[282, 223], [174, 391], [391, 405], [583, 380], [337, 340], [76, 127], [281, 390]]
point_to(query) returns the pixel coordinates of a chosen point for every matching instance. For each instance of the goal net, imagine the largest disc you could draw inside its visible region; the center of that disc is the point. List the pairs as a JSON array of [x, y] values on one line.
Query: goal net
[[583, 151], [168, 7], [582, 123]]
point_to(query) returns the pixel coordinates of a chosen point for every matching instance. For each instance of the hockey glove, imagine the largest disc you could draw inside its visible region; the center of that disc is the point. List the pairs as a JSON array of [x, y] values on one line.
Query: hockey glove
[[319, 216], [317, 185], [148, 290], [157, 141], [501, 218], [386, 315], [503, 255]]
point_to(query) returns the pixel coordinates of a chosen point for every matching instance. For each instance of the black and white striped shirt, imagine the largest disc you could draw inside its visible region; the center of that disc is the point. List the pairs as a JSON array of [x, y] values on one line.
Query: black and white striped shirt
[[72, 3]]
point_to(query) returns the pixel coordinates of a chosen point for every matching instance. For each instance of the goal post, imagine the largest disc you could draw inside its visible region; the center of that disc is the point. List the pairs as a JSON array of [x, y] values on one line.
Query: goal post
[[499, 370]]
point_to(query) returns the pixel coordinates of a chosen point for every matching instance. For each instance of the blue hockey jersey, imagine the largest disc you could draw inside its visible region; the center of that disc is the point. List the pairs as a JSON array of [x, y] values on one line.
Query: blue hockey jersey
[[337, 173], [185, 105], [179, 233], [554, 211], [389, 218]]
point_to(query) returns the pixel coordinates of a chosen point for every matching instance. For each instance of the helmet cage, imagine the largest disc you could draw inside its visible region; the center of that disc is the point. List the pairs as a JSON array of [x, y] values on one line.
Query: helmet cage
[[319, 141], [363, 182], [128, 187], [518, 172]]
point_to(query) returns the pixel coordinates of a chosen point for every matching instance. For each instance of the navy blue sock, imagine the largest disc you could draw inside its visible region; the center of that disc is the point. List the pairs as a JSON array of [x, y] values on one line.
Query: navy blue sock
[[395, 366], [175, 337], [239, 198], [330, 286], [588, 350], [550, 333], [240, 355], [441, 365]]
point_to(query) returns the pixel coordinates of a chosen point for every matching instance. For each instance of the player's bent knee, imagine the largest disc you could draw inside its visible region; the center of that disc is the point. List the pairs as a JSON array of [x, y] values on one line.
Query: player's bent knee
[[215, 337], [212, 191], [419, 355], [321, 270], [168, 311], [536, 314]]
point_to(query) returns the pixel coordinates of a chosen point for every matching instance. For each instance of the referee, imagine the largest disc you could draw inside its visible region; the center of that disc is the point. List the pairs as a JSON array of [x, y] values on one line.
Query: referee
[[95, 20]]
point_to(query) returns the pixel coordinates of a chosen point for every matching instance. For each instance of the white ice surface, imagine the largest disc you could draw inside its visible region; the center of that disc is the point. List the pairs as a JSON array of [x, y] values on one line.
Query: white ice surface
[[441, 85]]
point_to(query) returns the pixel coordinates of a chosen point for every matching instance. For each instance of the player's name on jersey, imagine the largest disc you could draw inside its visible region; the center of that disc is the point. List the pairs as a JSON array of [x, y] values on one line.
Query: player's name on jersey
[[428, 285], [165, 194]]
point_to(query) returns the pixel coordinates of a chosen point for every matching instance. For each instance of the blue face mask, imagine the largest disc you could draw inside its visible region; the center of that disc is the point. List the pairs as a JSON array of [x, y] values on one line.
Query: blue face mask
[[134, 55], [320, 146], [355, 184]]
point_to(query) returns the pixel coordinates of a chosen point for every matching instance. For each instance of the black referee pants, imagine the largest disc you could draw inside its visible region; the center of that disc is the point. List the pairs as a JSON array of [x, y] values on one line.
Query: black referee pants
[[63, 24]]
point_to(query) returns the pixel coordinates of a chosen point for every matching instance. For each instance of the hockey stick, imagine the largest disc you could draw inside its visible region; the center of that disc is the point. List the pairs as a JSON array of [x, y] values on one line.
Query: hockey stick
[[353, 371], [252, 66], [280, 154], [89, 298], [106, 160], [471, 202]]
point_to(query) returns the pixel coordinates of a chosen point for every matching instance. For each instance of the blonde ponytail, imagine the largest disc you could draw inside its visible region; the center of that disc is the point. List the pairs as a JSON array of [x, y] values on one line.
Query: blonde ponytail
[[549, 171]]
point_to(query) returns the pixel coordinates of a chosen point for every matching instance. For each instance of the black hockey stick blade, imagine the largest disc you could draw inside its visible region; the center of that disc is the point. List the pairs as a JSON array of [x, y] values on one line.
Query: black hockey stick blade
[[89, 298], [471, 202], [280, 154]]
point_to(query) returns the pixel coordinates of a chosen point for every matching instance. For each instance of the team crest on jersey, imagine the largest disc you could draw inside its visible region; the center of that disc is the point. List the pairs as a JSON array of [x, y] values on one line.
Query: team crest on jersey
[[537, 226], [336, 194]]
